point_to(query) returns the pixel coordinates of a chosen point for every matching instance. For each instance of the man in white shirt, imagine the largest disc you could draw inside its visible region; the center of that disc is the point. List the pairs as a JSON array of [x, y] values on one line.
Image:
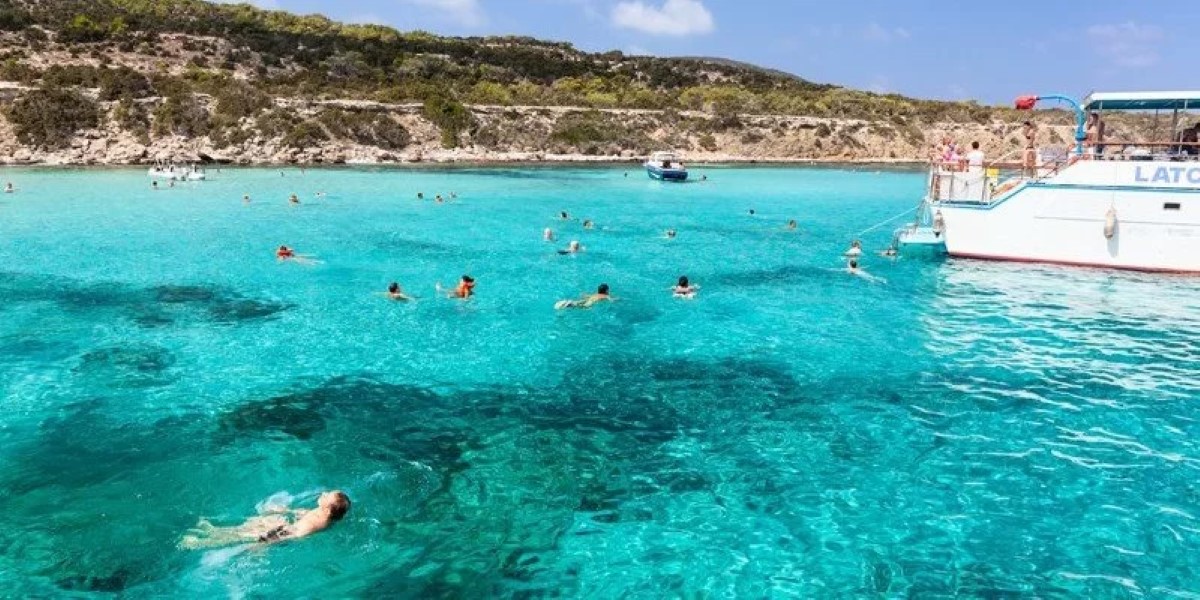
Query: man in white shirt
[[975, 157]]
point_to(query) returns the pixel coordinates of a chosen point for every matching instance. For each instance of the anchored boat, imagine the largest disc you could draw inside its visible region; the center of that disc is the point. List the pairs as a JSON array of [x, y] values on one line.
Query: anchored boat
[[666, 166], [1100, 202], [176, 172]]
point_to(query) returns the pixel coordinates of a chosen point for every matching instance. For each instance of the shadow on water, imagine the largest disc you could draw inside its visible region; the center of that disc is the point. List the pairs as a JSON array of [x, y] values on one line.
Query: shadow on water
[[152, 307]]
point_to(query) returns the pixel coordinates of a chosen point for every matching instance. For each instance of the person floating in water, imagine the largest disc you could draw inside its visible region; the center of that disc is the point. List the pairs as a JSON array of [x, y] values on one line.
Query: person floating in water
[[752, 212], [420, 195], [684, 288], [587, 224], [588, 300], [454, 195], [280, 525], [704, 178], [670, 235], [320, 194], [572, 248], [285, 253], [891, 252], [8, 188], [154, 185], [791, 225], [294, 199], [855, 250], [547, 235], [245, 198], [463, 291], [563, 216], [394, 292], [438, 199]]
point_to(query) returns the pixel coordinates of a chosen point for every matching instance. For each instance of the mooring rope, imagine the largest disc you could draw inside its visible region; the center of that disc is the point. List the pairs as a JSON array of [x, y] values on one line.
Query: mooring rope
[[881, 224]]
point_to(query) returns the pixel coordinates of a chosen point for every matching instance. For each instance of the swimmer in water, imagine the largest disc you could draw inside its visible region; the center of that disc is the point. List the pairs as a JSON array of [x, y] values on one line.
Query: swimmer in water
[[588, 300], [587, 224], [394, 292], [704, 178], [684, 288], [670, 235], [320, 194], [245, 198], [791, 225], [154, 185], [285, 253], [572, 248], [563, 216], [420, 195], [752, 212], [855, 250], [438, 199], [294, 199], [891, 252], [463, 291], [8, 188], [280, 524], [547, 235], [454, 195]]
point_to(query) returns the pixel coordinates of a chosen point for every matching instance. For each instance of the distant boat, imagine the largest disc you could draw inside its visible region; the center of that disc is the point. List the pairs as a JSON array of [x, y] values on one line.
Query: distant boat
[[176, 172], [665, 166]]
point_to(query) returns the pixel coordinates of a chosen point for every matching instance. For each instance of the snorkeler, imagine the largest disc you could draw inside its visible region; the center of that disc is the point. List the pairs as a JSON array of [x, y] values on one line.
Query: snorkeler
[[572, 248], [294, 199], [394, 292], [463, 291], [547, 235], [684, 289], [588, 300], [283, 525]]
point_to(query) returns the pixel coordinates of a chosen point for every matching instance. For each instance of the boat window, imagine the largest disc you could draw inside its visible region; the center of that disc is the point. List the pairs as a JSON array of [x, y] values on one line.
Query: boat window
[[1171, 206]]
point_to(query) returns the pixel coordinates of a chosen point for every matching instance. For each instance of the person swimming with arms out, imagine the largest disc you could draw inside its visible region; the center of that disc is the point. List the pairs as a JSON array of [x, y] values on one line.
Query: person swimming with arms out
[[279, 525], [853, 268], [463, 291], [284, 253], [394, 292], [587, 300], [572, 248], [684, 288]]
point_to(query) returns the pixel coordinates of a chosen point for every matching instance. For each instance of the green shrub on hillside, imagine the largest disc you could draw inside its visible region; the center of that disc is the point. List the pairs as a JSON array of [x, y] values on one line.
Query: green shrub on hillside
[[49, 118], [181, 114], [450, 116], [367, 128]]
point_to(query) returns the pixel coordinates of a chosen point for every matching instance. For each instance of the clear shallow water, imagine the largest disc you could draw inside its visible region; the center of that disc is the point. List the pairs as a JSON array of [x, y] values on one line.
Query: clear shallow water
[[963, 428]]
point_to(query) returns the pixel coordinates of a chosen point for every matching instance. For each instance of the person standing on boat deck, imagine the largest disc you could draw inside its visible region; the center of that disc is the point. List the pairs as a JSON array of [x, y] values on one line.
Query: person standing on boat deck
[[975, 157], [1188, 139], [1030, 162], [1093, 140]]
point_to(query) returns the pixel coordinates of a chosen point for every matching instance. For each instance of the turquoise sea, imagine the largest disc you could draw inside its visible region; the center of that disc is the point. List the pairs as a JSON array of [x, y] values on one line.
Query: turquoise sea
[[948, 429]]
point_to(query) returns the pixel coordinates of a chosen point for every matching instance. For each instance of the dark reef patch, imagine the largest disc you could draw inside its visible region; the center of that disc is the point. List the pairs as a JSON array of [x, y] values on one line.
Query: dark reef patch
[[777, 276]]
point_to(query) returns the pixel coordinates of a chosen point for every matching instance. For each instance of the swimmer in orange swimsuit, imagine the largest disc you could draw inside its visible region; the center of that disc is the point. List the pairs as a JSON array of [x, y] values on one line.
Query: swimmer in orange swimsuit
[[463, 291], [284, 253]]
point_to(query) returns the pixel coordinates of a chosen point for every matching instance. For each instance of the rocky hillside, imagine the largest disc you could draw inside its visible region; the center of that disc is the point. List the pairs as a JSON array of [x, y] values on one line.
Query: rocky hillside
[[126, 81]]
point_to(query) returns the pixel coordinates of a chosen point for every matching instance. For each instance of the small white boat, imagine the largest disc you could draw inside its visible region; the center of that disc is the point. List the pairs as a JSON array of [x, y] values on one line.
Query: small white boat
[[174, 172], [666, 166]]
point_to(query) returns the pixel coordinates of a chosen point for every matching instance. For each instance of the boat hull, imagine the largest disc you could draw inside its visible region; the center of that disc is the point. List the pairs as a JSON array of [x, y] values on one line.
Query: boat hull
[[661, 174], [1066, 220]]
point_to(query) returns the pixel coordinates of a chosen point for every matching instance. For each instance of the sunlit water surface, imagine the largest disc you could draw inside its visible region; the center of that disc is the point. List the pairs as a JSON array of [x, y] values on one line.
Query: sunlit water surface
[[953, 428]]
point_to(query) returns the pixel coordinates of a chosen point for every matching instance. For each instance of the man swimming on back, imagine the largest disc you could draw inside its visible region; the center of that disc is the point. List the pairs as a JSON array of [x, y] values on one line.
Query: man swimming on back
[[284, 525]]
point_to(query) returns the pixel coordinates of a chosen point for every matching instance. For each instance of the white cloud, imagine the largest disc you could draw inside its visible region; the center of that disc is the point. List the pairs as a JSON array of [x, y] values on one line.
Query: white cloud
[[674, 17], [1127, 45], [467, 13], [875, 32]]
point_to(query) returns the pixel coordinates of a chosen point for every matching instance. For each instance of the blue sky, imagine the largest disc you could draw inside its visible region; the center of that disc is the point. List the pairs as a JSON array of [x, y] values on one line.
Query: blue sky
[[990, 52]]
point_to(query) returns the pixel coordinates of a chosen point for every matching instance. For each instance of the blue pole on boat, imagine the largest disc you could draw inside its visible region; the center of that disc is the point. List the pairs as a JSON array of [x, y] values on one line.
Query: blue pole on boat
[[1080, 118]]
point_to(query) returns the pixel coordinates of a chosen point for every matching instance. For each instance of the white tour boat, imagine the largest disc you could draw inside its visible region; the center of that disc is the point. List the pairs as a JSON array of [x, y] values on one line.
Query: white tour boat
[[1102, 202]]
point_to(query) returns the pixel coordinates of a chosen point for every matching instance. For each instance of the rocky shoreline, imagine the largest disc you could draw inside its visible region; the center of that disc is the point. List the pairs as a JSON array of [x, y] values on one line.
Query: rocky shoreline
[[530, 134]]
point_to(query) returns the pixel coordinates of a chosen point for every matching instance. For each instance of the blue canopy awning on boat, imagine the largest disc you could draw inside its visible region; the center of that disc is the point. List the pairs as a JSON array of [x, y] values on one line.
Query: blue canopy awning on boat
[[1143, 101]]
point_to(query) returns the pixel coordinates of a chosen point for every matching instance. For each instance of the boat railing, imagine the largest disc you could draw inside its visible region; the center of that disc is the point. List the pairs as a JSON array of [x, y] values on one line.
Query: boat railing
[[1133, 150], [958, 181]]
